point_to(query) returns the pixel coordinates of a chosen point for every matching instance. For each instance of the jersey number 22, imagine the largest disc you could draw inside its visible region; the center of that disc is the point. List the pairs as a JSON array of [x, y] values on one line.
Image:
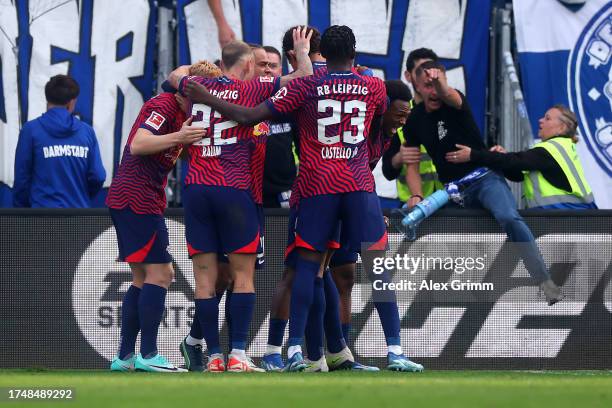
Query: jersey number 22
[[217, 128]]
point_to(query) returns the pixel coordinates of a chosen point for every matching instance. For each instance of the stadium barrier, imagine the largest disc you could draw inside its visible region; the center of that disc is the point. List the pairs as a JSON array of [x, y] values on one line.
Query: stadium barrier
[[61, 292], [508, 121]]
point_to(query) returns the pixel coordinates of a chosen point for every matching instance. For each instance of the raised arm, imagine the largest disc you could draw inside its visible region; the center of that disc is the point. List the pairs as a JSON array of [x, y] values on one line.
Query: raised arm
[[243, 115], [301, 48], [449, 95], [226, 34]]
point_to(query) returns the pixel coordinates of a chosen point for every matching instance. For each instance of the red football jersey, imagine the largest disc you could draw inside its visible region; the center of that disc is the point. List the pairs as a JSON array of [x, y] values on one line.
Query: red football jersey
[[140, 181], [223, 158], [333, 113]]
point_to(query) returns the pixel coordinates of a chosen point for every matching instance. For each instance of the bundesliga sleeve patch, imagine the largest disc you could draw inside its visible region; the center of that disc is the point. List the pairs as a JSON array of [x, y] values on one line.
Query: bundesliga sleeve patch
[[155, 120]]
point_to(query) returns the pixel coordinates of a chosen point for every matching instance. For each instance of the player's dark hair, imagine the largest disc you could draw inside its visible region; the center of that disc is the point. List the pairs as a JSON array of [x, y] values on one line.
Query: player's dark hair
[[429, 65], [338, 43], [272, 50], [419, 54], [61, 89], [315, 40], [233, 52], [397, 90]]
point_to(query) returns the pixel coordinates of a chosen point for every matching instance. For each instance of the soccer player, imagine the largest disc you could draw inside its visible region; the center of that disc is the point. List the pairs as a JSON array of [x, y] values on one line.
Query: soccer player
[[342, 263], [136, 200], [340, 356], [336, 113], [220, 213], [192, 345], [314, 54]]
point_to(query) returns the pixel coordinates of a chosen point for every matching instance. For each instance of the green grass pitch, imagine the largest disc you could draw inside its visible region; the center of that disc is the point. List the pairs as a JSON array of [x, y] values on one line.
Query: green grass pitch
[[516, 389]]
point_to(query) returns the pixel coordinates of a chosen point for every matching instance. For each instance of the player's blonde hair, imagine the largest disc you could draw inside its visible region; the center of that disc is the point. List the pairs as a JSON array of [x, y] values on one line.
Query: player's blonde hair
[[205, 69]]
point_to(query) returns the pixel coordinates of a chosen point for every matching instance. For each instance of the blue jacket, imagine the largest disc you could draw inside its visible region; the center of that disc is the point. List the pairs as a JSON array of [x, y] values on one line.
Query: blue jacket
[[57, 163]]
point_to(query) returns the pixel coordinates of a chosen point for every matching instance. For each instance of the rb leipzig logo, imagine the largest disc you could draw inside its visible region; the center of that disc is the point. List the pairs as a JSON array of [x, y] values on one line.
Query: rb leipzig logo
[[261, 129]]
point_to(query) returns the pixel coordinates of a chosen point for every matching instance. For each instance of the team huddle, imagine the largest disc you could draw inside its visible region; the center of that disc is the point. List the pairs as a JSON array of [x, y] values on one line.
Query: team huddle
[[219, 120]]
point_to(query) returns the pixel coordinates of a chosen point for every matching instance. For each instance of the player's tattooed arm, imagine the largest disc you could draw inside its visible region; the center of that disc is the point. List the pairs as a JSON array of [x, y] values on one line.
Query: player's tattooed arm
[[449, 95], [243, 115], [301, 48], [145, 142]]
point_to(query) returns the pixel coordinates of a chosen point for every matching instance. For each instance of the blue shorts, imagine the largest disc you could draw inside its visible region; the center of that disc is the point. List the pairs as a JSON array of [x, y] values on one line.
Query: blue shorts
[[362, 223], [220, 220], [343, 256], [142, 238], [261, 259], [290, 252]]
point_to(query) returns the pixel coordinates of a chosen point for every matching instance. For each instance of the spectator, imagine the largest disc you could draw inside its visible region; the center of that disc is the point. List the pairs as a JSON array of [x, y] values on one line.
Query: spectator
[[414, 59], [444, 120], [551, 171], [57, 163]]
